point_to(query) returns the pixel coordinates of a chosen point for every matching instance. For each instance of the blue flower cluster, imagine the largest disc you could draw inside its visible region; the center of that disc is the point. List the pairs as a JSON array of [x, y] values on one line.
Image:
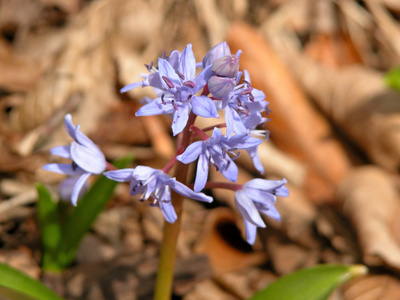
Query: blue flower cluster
[[184, 96]]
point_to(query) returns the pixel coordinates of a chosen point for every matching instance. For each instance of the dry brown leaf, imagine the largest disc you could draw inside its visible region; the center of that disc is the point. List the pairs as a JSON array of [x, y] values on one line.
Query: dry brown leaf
[[357, 100], [296, 126], [370, 201], [372, 287], [17, 73]]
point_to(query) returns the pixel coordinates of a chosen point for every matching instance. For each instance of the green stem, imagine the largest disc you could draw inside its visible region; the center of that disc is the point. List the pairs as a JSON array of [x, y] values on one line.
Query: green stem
[[165, 274]]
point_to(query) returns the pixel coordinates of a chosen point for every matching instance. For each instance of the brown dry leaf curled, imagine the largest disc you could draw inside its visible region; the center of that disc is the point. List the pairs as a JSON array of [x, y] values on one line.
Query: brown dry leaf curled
[[370, 200], [357, 100]]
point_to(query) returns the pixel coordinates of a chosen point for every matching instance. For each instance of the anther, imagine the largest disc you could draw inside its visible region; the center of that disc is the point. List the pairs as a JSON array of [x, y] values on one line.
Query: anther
[[74, 166], [246, 91], [180, 74], [251, 97], [162, 99], [174, 104], [189, 84], [168, 82]]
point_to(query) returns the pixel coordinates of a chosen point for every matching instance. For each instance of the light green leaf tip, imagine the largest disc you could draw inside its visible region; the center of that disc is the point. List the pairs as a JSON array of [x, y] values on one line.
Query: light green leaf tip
[[315, 283], [392, 78], [14, 283]]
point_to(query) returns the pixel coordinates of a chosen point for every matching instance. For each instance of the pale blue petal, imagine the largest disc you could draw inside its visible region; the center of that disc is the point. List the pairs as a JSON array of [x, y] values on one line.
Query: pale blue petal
[[204, 107], [153, 108], [180, 119], [187, 63], [185, 191], [201, 173], [77, 188], [202, 78], [165, 69], [67, 169], [256, 160], [230, 173], [250, 231], [123, 175], [271, 212], [215, 137], [265, 184], [87, 159], [83, 140], [265, 198], [63, 151], [173, 59], [168, 211], [233, 122], [191, 153], [69, 126], [247, 209], [143, 172], [131, 86], [66, 187]]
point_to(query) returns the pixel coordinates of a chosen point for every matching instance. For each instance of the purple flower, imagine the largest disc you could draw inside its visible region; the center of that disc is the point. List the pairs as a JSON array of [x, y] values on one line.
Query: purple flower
[[177, 85], [215, 150], [259, 195], [86, 158], [219, 50], [243, 107], [156, 185]]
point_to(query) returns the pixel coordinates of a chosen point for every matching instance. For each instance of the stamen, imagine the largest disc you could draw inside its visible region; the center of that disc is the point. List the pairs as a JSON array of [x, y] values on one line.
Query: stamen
[[251, 97], [164, 55], [149, 67], [236, 156], [227, 165], [180, 74], [239, 101], [168, 82], [190, 97], [247, 83], [246, 91], [189, 84], [174, 104], [162, 99], [74, 165]]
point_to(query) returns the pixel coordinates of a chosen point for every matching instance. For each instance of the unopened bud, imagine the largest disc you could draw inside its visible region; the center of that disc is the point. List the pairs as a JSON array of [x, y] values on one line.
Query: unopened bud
[[226, 66], [219, 50], [220, 86]]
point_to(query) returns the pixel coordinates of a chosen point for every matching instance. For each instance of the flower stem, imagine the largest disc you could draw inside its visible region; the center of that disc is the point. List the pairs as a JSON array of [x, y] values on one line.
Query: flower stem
[[165, 274]]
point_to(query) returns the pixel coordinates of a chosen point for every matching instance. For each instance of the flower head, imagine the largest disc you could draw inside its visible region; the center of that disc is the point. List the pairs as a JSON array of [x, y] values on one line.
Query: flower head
[[259, 195], [86, 158], [215, 150], [178, 85], [155, 186]]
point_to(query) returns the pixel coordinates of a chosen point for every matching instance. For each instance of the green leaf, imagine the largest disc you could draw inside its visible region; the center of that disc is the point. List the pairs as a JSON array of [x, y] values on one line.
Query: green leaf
[[392, 78], [50, 228], [315, 283], [14, 282], [85, 213]]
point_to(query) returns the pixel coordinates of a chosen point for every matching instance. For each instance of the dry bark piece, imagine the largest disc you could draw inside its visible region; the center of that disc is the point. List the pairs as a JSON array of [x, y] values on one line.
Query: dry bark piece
[[357, 100], [370, 201], [296, 126]]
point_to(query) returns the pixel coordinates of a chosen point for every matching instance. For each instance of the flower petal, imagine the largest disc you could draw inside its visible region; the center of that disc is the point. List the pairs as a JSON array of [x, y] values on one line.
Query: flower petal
[[191, 153], [270, 211], [204, 107], [165, 69], [77, 188], [63, 151], [122, 175], [250, 231], [131, 86], [69, 126], [168, 211], [187, 63], [201, 173], [265, 184], [181, 117], [153, 108], [185, 191], [233, 122], [247, 209], [67, 169], [202, 78], [87, 159]]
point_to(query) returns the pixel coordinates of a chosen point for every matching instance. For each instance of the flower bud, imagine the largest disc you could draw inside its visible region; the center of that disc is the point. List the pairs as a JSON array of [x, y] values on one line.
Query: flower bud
[[226, 66], [220, 86], [219, 50]]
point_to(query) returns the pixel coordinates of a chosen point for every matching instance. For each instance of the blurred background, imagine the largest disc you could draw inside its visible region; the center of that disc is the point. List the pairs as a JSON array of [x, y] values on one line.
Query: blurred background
[[334, 134]]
